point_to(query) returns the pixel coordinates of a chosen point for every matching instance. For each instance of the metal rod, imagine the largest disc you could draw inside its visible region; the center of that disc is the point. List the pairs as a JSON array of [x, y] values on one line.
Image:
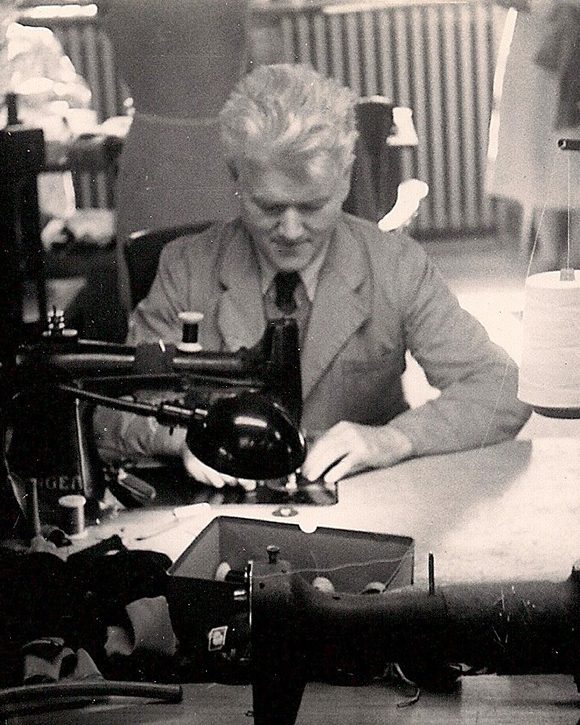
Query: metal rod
[[569, 144]]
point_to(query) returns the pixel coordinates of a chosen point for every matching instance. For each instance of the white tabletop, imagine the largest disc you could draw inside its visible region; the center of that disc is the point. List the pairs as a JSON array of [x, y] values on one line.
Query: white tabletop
[[506, 511]]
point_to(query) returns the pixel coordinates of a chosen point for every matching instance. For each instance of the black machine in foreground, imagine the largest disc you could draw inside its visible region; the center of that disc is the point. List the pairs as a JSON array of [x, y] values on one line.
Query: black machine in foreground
[[299, 634], [242, 410]]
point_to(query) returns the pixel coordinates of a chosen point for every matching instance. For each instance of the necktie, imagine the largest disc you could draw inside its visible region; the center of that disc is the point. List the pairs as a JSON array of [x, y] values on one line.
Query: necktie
[[286, 283]]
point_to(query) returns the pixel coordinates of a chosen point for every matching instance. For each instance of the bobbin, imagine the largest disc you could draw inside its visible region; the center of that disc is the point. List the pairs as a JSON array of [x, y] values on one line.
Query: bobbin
[[190, 322]]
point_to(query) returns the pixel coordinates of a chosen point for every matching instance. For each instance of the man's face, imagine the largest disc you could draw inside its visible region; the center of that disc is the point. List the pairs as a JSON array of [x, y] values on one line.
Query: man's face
[[291, 213]]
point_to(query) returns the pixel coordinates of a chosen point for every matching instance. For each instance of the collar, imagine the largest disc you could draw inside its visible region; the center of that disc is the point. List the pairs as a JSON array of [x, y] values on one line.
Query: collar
[[309, 275]]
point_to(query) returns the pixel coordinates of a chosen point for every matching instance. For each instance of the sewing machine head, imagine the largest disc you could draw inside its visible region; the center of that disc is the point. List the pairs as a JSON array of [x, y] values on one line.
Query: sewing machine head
[[242, 410], [298, 633]]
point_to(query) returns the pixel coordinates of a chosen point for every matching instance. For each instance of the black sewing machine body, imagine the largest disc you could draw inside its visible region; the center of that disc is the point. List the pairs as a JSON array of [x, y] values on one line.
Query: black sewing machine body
[[48, 435], [295, 634]]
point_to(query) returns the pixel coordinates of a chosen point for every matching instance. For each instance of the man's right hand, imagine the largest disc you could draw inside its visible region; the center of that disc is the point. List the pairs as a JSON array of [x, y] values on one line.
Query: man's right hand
[[204, 474]]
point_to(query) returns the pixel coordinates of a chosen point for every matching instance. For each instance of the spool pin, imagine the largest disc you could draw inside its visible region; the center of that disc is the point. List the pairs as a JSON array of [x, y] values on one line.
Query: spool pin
[[190, 321]]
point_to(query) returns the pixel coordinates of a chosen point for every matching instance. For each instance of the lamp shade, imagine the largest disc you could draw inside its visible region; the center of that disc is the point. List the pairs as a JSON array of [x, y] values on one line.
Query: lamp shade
[[247, 436], [549, 377]]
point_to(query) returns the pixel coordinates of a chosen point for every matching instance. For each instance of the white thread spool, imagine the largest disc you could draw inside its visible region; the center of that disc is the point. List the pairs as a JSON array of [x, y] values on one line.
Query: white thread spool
[[73, 515], [190, 321], [549, 377]]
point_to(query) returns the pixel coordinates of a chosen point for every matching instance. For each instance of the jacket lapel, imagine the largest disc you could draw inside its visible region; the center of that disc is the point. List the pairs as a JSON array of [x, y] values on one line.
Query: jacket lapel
[[341, 305], [240, 313]]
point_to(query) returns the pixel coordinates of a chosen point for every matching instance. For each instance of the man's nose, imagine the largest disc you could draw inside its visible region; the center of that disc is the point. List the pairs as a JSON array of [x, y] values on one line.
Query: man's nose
[[290, 225]]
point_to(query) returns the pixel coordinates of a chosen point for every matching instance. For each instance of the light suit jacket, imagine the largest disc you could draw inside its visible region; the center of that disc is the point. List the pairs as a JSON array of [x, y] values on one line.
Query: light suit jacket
[[378, 295]]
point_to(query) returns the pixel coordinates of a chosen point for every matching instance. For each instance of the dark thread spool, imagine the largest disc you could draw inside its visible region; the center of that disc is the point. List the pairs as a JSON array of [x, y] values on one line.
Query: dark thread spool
[[189, 340], [73, 515]]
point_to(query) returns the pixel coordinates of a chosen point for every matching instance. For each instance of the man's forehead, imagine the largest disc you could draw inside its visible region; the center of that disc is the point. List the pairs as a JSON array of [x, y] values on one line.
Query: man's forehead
[[284, 193]]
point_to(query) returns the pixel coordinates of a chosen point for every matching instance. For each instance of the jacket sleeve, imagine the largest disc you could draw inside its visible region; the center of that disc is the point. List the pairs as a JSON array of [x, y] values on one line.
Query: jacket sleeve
[[156, 316], [126, 436], [477, 379]]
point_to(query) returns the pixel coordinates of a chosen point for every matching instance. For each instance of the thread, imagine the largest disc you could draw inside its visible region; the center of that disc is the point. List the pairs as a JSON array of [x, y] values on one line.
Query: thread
[[189, 340], [549, 377], [73, 515]]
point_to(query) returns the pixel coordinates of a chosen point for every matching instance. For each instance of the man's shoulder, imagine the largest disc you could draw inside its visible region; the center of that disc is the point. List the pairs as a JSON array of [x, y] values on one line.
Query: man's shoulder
[[205, 245], [390, 247]]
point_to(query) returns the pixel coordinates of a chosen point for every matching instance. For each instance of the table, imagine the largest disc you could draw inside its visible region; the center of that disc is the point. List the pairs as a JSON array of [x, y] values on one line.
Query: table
[[483, 700], [509, 511], [504, 511]]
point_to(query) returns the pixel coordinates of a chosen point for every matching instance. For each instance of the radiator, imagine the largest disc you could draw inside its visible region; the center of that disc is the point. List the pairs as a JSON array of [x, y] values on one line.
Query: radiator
[[437, 58]]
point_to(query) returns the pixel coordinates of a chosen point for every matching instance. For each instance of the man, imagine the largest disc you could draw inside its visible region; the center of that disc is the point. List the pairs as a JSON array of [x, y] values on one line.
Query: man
[[362, 298]]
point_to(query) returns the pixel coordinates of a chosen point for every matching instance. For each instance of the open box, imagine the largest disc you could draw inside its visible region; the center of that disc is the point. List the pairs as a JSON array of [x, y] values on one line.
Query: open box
[[350, 559]]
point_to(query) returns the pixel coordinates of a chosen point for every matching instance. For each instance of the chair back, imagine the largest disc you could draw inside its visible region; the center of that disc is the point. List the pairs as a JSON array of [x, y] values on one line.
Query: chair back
[[142, 251]]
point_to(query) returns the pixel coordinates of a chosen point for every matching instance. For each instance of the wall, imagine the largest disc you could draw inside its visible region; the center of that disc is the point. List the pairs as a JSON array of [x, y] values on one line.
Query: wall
[[435, 57]]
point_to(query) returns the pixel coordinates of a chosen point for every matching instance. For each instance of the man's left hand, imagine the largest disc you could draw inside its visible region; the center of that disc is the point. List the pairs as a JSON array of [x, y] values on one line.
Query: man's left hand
[[351, 447]]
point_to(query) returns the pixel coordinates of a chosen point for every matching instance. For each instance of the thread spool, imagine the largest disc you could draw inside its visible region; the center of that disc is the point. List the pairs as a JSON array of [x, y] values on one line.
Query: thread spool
[[374, 588], [72, 509], [222, 571], [190, 322], [549, 377], [323, 584]]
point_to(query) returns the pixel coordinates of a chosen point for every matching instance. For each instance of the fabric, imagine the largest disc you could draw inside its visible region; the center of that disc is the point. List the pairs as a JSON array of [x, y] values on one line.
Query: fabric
[[528, 167], [44, 663], [51, 610], [378, 295], [150, 629]]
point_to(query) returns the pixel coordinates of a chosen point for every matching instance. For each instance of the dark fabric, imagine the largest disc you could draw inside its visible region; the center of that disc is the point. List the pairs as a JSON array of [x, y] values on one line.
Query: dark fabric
[[43, 596], [286, 283]]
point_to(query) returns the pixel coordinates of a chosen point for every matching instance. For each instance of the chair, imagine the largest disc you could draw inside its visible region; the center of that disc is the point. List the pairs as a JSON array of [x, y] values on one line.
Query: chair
[[141, 254]]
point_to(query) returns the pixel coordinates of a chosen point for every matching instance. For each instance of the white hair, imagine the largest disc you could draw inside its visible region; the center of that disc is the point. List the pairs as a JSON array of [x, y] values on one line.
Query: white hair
[[289, 114]]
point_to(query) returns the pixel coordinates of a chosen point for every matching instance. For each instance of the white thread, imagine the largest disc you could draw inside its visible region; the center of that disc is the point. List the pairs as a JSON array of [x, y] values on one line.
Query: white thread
[[550, 365]]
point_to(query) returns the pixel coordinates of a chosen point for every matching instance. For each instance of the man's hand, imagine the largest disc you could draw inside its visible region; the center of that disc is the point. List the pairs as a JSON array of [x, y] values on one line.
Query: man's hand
[[350, 447], [204, 474]]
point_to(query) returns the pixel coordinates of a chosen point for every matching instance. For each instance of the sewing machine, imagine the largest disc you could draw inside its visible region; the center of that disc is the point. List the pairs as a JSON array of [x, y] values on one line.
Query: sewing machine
[[298, 634], [242, 412]]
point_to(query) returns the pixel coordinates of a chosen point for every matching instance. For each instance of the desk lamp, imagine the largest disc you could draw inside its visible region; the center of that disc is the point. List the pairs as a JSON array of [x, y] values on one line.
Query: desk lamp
[[549, 377]]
